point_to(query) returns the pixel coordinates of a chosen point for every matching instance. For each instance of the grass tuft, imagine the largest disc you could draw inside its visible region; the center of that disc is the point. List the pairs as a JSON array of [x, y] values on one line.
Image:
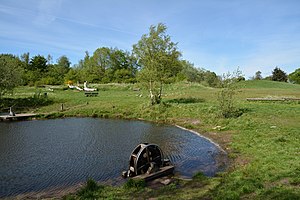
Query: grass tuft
[[135, 184]]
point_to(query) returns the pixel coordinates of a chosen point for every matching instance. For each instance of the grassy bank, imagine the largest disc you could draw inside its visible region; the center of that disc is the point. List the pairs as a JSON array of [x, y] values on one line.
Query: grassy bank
[[263, 142]]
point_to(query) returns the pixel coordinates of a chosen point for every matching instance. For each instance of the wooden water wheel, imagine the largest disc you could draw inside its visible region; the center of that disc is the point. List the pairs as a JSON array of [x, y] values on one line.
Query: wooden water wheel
[[145, 158]]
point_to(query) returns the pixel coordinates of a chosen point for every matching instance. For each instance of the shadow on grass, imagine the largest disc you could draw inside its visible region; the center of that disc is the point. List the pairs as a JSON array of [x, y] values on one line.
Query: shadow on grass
[[23, 104], [186, 100], [235, 113]]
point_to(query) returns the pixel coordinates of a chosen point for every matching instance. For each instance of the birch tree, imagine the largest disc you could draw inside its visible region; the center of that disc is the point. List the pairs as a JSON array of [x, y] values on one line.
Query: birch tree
[[158, 57]]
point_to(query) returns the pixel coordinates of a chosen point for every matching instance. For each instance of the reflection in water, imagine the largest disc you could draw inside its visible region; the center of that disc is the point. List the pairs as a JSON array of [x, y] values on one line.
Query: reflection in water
[[36, 155]]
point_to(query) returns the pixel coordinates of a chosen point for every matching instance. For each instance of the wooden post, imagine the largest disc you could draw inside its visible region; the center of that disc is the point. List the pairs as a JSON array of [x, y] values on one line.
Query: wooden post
[[62, 107]]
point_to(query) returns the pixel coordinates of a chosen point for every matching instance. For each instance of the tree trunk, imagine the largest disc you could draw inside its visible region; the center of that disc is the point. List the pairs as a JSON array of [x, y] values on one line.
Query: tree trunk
[[154, 97], [160, 90]]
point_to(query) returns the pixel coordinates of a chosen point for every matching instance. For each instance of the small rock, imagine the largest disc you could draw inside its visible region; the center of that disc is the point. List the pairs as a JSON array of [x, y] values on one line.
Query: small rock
[[166, 181], [217, 127]]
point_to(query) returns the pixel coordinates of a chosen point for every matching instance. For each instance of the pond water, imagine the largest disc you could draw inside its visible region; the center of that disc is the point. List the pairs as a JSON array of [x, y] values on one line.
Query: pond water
[[36, 155]]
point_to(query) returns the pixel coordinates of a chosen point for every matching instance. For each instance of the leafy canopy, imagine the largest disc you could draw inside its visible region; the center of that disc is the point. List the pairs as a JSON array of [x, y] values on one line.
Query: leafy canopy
[[10, 72], [38, 63], [157, 54], [279, 75], [108, 65], [295, 76], [258, 76]]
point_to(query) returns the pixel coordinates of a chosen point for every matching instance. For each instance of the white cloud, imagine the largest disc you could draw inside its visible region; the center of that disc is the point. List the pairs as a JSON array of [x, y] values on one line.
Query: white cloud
[[47, 11]]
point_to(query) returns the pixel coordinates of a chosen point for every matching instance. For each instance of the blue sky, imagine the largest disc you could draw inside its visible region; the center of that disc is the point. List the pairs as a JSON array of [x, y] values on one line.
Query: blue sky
[[218, 35]]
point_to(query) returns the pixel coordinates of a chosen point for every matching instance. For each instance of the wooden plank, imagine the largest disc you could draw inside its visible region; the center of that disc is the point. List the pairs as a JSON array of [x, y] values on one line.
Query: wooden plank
[[163, 171], [264, 99], [292, 99], [273, 99]]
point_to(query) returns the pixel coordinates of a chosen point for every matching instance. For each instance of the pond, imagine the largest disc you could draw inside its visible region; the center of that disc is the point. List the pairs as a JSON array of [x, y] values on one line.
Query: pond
[[36, 155]]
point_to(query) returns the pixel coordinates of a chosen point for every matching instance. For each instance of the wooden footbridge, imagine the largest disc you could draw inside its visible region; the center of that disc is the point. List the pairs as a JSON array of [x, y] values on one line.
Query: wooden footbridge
[[17, 116]]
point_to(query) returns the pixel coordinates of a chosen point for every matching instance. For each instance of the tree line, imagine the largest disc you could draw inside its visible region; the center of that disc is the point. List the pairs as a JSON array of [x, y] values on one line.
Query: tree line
[[279, 75], [154, 61]]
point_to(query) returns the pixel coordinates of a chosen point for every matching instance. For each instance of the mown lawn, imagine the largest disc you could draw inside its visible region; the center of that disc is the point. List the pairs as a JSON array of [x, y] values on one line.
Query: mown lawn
[[263, 143]]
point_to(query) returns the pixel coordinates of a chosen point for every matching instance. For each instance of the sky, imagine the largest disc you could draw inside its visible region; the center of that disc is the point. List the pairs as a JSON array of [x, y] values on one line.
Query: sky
[[217, 35]]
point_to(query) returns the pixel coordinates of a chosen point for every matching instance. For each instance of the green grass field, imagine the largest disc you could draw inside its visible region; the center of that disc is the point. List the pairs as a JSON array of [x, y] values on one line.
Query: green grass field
[[263, 143]]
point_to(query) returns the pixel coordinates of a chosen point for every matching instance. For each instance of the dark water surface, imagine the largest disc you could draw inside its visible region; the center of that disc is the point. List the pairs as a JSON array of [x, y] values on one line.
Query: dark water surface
[[36, 155]]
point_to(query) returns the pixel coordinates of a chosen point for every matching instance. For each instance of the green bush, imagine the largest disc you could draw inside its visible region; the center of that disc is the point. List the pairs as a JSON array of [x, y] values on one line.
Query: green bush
[[227, 108], [226, 97]]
